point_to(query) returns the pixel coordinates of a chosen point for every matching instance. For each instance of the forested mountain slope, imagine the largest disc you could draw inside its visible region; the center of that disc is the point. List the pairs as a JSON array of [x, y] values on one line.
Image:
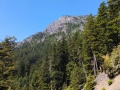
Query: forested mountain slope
[[68, 55], [32, 51]]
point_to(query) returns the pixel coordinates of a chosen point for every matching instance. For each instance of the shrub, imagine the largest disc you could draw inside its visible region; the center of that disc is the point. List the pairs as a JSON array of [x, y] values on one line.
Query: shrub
[[103, 88], [90, 83], [110, 82]]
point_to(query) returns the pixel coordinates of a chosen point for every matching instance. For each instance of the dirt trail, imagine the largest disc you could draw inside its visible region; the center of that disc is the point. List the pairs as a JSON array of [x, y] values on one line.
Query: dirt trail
[[102, 81]]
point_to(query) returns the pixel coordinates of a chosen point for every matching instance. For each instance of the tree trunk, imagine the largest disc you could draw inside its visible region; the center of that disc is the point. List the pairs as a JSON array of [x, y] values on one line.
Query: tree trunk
[[95, 65], [84, 70], [94, 68]]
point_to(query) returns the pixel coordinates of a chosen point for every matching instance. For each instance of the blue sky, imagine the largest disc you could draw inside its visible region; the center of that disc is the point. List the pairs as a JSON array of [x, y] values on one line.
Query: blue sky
[[22, 18]]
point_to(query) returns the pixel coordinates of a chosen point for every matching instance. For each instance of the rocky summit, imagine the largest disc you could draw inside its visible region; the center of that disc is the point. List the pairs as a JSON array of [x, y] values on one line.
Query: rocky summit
[[61, 23]]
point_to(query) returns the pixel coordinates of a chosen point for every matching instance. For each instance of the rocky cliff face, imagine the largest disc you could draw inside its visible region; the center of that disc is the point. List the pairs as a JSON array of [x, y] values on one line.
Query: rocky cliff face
[[60, 25]]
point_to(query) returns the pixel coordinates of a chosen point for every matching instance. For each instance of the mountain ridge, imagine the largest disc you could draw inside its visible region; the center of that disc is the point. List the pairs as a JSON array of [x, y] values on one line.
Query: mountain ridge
[[60, 25], [62, 21]]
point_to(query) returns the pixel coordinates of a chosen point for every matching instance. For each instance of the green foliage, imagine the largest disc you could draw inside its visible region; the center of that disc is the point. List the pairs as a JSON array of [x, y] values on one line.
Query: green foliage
[[113, 25], [41, 78], [112, 62], [58, 64], [88, 43], [115, 57], [101, 34], [103, 88], [77, 78], [7, 64], [107, 63], [90, 83], [110, 82], [101, 30], [69, 67]]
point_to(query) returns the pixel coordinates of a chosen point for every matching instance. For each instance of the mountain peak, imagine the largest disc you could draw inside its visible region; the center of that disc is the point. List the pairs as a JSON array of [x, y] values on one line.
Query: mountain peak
[[62, 22], [61, 25]]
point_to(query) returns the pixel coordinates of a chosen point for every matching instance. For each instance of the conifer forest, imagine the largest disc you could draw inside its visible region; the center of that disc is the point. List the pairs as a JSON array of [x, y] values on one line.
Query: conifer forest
[[69, 63]]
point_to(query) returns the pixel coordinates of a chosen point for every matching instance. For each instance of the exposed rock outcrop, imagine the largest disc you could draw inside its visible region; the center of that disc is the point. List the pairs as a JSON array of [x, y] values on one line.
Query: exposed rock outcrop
[[61, 23]]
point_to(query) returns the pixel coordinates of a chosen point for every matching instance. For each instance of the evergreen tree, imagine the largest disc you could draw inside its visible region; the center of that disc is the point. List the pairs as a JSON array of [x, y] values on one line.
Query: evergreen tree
[[58, 64], [40, 79], [77, 78], [102, 41], [44, 78], [75, 62], [7, 64], [101, 44], [88, 42], [114, 21], [74, 47], [114, 9], [90, 83]]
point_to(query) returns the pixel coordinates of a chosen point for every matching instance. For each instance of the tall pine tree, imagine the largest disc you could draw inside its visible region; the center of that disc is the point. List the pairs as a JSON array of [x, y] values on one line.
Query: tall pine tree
[[7, 64]]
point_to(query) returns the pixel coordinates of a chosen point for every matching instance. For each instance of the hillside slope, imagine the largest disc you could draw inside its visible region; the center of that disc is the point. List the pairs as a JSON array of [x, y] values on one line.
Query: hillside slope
[[102, 81]]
